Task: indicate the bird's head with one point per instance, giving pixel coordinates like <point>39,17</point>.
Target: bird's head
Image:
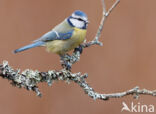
<point>78,19</point>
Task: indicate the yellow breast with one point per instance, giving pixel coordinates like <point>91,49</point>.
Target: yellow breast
<point>62,46</point>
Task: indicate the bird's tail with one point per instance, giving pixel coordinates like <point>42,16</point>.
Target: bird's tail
<point>35,44</point>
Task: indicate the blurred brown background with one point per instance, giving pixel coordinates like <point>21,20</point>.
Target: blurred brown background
<point>127,59</point>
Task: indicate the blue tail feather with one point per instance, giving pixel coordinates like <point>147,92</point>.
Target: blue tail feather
<point>36,44</point>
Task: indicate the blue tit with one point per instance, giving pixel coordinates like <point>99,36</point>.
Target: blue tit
<point>64,37</point>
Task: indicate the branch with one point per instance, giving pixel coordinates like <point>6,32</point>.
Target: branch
<point>29,79</point>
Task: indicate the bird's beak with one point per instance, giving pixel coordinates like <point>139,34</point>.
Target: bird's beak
<point>87,22</point>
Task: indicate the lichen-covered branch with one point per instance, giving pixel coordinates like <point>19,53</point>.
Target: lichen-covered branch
<point>29,79</point>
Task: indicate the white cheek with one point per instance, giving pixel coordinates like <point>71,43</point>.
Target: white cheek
<point>77,23</point>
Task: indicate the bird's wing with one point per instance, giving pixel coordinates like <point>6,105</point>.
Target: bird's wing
<point>54,35</point>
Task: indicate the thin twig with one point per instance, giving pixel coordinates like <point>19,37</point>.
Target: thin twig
<point>111,8</point>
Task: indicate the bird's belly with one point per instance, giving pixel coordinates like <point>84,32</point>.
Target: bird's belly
<point>62,46</point>
<point>56,46</point>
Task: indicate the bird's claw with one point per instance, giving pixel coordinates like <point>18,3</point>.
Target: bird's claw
<point>79,49</point>
<point>66,65</point>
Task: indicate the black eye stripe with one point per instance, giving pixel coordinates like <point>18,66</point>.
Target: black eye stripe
<point>79,19</point>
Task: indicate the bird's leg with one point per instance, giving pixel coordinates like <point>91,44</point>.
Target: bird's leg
<point>78,49</point>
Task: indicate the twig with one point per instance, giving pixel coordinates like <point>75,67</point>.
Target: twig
<point>29,79</point>
<point>104,17</point>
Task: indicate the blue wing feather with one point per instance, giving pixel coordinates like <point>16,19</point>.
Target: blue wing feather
<point>65,36</point>
<point>35,44</point>
<point>54,35</point>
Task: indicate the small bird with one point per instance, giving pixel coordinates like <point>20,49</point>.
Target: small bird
<point>64,37</point>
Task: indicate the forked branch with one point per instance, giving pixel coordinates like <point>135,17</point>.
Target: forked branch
<point>104,17</point>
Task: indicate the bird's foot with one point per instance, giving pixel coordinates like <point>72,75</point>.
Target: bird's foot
<point>79,49</point>
<point>67,66</point>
